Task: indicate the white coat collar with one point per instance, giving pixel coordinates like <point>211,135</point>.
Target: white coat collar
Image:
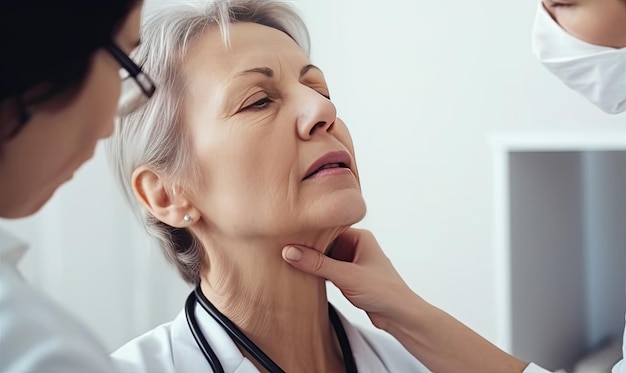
<point>188,357</point>
<point>11,249</point>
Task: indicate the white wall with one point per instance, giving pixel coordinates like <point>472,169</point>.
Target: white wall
<point>421,85</point>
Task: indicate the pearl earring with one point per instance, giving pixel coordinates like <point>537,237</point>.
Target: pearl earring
<point>187,218</point>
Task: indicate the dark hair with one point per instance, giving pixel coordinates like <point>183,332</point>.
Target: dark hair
<point>51,42</point>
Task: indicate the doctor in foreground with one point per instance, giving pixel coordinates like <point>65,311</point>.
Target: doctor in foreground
<point>583,42</point>
<point>238,154</point>
<point>60,88</point>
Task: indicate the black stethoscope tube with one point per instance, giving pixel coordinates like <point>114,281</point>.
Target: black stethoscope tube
<point>207,351</point>
<point>245,342</point>
<point>237,334</point>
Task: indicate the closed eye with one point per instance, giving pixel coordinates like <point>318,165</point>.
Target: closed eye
<point>259,104</point>
<point>554,4</point>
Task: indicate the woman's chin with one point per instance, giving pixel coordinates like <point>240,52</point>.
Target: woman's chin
<point>348,211</point>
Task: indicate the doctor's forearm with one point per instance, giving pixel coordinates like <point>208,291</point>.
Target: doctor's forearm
<point>443,343</point>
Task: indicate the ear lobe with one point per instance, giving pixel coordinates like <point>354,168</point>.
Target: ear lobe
<point>154,193</point>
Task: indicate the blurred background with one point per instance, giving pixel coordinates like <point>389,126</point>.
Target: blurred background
<point>498,193</point>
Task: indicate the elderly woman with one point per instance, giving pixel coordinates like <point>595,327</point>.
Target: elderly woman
<point>240,153</point>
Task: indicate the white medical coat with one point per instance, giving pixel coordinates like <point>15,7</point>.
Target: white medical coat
<point>36,336</point>
<point>171,348</point>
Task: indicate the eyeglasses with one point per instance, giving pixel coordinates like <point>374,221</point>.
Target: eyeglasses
<point>137,87</point>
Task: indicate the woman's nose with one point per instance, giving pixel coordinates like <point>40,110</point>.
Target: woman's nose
<point>317,114</point>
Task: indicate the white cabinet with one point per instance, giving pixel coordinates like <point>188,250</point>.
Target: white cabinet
<point>560,243</point>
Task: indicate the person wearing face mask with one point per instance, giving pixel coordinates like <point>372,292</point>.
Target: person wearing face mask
<point>583,43</point>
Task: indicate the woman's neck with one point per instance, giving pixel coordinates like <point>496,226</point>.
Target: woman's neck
<point>283,311</point>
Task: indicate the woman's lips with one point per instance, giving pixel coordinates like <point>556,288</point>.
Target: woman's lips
<point>331,163</point>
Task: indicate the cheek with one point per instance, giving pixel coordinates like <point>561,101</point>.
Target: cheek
<point>244,170</point>
<point>247,190</point>
<point>102,92</point>
<point>341,132</point>
<point>602,26</point>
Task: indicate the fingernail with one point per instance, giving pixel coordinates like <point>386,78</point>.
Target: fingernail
<point>293,254</point>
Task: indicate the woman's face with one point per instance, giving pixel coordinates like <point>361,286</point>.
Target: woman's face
<point>599,22</point>
<point>62,134</point>
<point>274,158</point>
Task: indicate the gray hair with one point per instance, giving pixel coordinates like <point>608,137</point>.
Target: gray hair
<point>154,135</point>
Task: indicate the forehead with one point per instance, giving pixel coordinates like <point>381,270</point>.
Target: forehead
<point>250,45</point>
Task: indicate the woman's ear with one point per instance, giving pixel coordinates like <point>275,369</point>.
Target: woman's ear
<point>165,203</point>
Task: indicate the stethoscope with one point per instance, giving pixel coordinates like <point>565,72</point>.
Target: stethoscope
<point>245,342</point>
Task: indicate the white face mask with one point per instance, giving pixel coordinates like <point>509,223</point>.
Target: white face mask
<point>598,73</point>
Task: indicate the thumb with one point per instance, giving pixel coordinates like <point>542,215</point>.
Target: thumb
<point>313,262</point>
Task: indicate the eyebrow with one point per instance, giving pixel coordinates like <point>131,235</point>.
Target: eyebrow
<point>308,67</point>
<point>266,71</point>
